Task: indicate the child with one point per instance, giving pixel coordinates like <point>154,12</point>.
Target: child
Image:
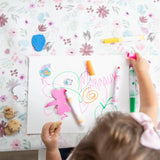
<point>118,136</point>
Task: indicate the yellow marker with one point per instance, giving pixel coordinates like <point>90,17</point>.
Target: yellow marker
<point>90,68</point>
<point>123,39</point>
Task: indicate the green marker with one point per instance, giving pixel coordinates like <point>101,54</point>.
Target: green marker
<point>132,91</point>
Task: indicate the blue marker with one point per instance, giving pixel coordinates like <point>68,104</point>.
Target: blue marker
<point>132,90</point>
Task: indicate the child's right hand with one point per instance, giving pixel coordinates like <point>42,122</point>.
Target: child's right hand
<point>141,65</point>
<point>50,139</point>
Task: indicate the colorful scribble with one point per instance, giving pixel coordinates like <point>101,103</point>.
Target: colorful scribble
<point>75,87</point>
<point>88,91</point>
<point>89,95</point>
<point>50,112</point>
<point>45,86</point>
<point>102,109</point>
<point>98,82</point>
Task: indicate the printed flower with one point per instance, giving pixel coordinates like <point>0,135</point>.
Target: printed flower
<point>42,28</point>
<point>143,19</point>
<point>20,61</point>
<point>71,52</point>
<point>53,52</point>
<point>32,5</point>
<point>127,13</point>
<point>150,15</point>
<point>7,51</point>
<point>2,127</point>
<point>3,98</point>
<point>22,77</point>
<point>102,11</point>
<point>116,24</point>
<point>11,84</point>
<point>58,7</point>
<point>75,36</point>
<point>156,1</point>
<point>16,144</point>
<point>67,41</point>
<point>86,49</point>
<point>26,22</point>
<point>12,33</point>
<point>80,6</point>
<point>89,10</point>
<point>145,30</point>
<point>57,1</point>
<point>3,20</point>
<point>50,23</point>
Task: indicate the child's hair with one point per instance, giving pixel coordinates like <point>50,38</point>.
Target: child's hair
<point>116,136</point>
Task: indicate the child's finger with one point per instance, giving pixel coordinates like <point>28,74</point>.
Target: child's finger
<point>138,56</point>
<point>132,61</point>
<point>45,129</point>
<point>57,131</point>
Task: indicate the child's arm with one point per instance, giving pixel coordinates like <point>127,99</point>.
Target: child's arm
<point>148,96</point>
<point>51,142</point>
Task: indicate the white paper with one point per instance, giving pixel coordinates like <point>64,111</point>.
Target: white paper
<point>99,88</point>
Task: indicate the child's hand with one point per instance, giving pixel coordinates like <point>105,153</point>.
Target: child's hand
<point>50,139</point>
<point>140,65</point>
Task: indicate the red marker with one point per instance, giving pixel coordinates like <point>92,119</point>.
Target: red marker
<point>129,55</point>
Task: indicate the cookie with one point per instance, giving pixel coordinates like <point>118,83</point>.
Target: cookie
<point>13,125</point>
<point>8,112</point>
<point>7,131</point>
<point>55,125</point>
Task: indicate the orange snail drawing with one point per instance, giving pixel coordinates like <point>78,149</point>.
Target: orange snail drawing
<point>89,95</point>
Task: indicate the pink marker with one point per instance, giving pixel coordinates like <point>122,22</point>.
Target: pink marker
<point>130,55</point>
<point>116,87</point>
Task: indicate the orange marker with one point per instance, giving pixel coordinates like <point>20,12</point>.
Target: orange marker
<point>90,68</point>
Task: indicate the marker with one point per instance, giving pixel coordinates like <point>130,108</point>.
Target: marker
<point>76,112</point>
<point>132,90</point>
<point>116,87</point>
<point>123,39</point>
<point>90,68</point>
<point>129,55</point>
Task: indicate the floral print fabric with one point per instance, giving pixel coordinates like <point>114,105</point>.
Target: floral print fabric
<point>71,27</point>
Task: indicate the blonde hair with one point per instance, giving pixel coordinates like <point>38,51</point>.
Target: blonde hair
<point>116,136</point>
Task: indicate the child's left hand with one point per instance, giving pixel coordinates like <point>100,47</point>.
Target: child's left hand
<point>50,139</point>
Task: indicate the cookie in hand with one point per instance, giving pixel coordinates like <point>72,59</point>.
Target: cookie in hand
<point>55,125</point>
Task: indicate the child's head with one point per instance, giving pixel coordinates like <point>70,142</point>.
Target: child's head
<point>116,136</point>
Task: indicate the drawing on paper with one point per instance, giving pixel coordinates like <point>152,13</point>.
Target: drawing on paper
<point>86,89</point>
<point>50,77</point>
